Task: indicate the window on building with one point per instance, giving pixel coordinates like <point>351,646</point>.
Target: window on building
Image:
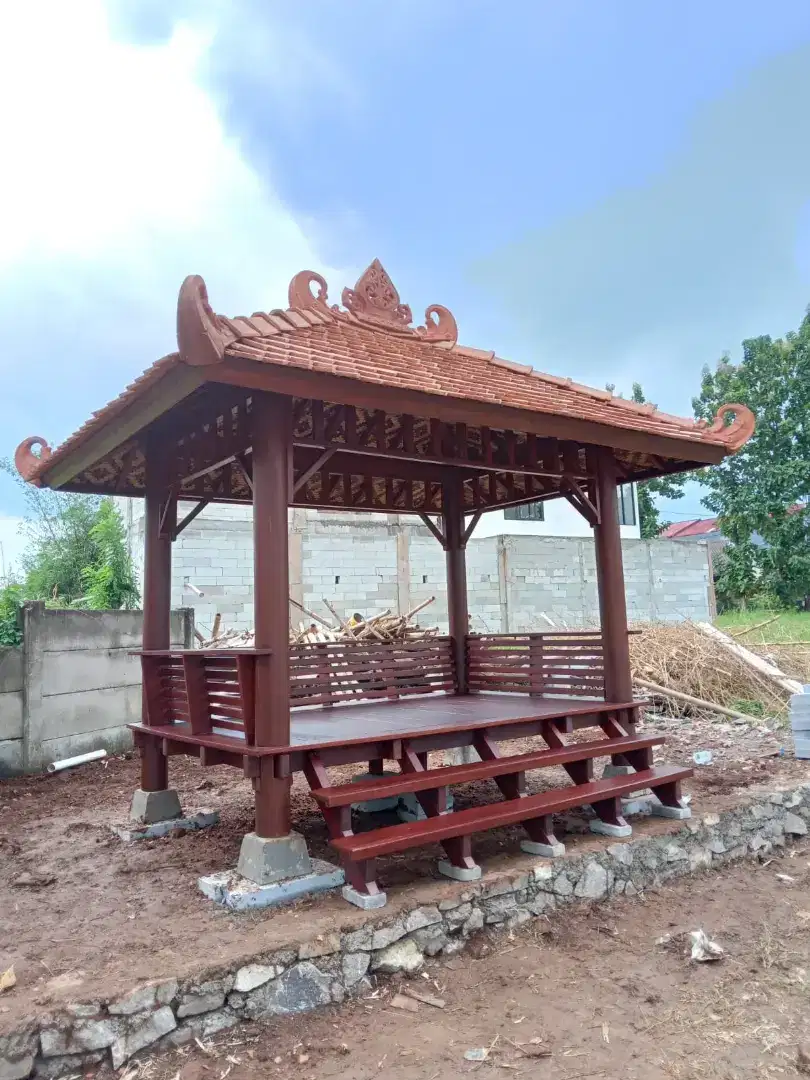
<point>627,504</point>
<point>527,512</point>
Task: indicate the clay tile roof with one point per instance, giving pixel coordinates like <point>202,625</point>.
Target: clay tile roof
<point>695,527</point>
<point>371,340</point>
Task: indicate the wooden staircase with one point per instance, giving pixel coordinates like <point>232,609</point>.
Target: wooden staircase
<point>454,830</point>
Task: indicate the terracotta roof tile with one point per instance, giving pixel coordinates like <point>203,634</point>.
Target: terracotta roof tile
<point>373,342</point>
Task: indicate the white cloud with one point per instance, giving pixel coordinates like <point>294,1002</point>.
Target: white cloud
<point>12,545</point>
<point>123,179</point>
<point>119,179</point>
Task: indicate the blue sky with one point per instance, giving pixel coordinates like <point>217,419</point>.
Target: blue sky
<point>610,189</point>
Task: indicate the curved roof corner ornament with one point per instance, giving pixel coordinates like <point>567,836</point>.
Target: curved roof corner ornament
<point>300,295</point>
<point>440,325</point>
<point>200,340</point>
<point>736,434</point>
<point>27,462</point>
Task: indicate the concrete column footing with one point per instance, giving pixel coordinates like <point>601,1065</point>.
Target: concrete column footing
<point>149,807</point>
<point>365,901</point>
<point>458,873</point>
<point>603,828</point>
<point>548,851</point>
<point>267,859</point>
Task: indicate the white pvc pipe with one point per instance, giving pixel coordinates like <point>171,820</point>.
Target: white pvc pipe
<point>80,759</point>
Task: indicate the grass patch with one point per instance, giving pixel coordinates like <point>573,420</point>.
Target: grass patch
<point>788,626</point>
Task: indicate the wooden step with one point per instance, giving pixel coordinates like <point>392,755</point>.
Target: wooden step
<point>386,786</point>
<point>370,845</point>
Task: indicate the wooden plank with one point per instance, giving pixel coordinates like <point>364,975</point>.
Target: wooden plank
<point>383,787</point>
<point>395,838</point>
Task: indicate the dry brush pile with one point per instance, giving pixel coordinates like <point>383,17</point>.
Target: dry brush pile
<point>684,658</point>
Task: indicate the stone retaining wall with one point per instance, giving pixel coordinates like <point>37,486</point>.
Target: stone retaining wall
<point>328,969</point>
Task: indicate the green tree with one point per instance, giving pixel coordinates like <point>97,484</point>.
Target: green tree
<point>76,554</point>
<point>670,487</point>
<point>110,580</point>
<point>762,491</point>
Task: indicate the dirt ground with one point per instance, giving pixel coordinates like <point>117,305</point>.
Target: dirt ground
<point>111,914</point>
<point>590,994</point>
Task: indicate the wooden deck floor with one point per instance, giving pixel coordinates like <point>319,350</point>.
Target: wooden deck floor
<point>430,715</point>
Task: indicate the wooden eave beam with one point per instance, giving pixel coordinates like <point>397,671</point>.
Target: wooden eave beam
<point>253,374</point>
<point>178,382</point>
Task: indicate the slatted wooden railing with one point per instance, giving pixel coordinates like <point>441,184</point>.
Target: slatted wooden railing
<point>561,662</point>
<point>205,689</point>
<point>215,690</point>
<point>333,672</point>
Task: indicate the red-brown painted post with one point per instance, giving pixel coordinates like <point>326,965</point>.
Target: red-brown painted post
<point>456,561</point>
<point>610,579</point>
<point>271,422</point>
<point>157,591</point>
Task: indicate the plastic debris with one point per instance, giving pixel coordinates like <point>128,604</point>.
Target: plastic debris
<point>702,757</point>
<point>704,950</point>
<point>7,979</point>
<point>480,1053</point>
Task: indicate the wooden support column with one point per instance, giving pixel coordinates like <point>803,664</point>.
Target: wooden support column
<point>160,519</point>
<point>610,579</point>
<point>271,422</point>
<point>454,545</point>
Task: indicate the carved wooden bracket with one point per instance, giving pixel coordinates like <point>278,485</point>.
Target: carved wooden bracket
<point>434,528</point>
<point>580,500</point>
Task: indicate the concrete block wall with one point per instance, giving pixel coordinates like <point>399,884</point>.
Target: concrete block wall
<point>370,562</point>
<point>73,685</point>
<point>11,710</point>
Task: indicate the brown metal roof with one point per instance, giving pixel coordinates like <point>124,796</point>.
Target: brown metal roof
<point>371,341</point>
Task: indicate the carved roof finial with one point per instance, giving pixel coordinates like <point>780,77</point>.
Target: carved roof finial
<point>375,300</point>
<point>736,434</point>
<point>27,462</point>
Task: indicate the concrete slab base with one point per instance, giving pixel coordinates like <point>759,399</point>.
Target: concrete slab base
<point>548,851</point>
<point>149,807</point>
<point>236,893</point>
<point>604,829</point>
<point>267,859</point>
<point>196,819</point>
<point>375,806</point>
<point>678,813</point>
<point>458,873</point>
<point>410,809</point>
<point>363,900</point>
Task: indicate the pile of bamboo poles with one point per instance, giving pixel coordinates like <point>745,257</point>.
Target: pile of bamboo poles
<point>384,627</point>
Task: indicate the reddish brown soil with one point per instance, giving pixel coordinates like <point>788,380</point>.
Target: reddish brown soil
<point>115,914</point>
<point>591,989</point>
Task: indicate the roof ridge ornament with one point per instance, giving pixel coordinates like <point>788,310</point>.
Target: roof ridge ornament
<point>201,339</point>
<point>736,434</point>
<point>375,300</point>
<point>300,295</point>
<point>27,462</point>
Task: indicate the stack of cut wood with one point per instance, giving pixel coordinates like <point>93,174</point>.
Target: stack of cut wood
<point>384,627</point>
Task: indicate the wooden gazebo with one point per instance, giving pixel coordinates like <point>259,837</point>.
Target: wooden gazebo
<point>354,408</point>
